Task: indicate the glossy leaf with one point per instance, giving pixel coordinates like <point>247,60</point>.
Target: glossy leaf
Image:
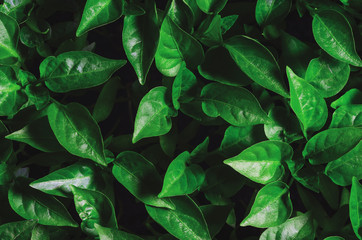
<point>181,179</point>
<point>176,46</point>
<point>11,96</point>
<point>38,95</point>
<point>9,31</point>
<point>18,9</point>
<point>140,178</point>
<point>77,131</point>
<point>347,116</point>
<point>140,39</point>
<point>33,204</point>
<point>347,166</point>
<point>17,230</point>
<point>355,208</point>
<point>93,208</point>
<point>297,228</point>
<point>181,14</point>
<point>153,115</point>
<point>307,103</point>
<point>333,33</point>
<point>220,67</point>
<point>211,6</point>
<point>185,222</point>
<point>327,75</point>
<point>257,62</point>
<point>272,206</point>
<point>77,70</point>
<point>262,162</point>
<point>267,12</point>
<point>114,234</point>
<point>228,22</point>
<point>209,31</point>
<point>352,96</point>
<point>98,13</point>
<point>331,144</point>
<point>235,105</point>
<point>82,175</point>
<point>39,135</point>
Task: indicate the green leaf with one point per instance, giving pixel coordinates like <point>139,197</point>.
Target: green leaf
<point>297,228</point>
<point>347,166</point>
<point>257,62</point>
<point>307,103</point>
<point>355,207</point>
<point>19,9</point>
<point>209,31</point>
<point>17,230</point>
<point>77,131</point>
<point>181,179</point>
<point>333,33</point>
<point>220,67</point>
<point>140,39</point>
<point>331,144</point>
<point>272,206</point>
<point>114,234</point>
<point>181,14</point>
<point>11,96</point>
<point>347,116</point>
<point>304,174</point>
<point>262,162</point>
<point>106,99</point>
<point>211,6</point>
<point>184,87</point>
<point>153,115</point>
<point>33,204</point>
<point>41,232</point>
<point>6,146</point>
<point>267,12</point>
<point>200,151</point>
<point>215,217</point>
<point>327,75</point>
<point>235,105</point>
<point>77,70</point>
<point>98,13</point>
<point>176,46</point>
<point>228,22</point>
<point>39,135</point>
<point>93,208</point>
<point>352,96</point>
<point>6,173</point>
<point>185,222</point>
<point>38,95</point>
<point>9,31</point>
<point>140,178</point>
<point>82,174</point>
<point>334,238</point>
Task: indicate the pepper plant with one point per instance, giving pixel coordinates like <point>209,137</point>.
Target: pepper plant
<point>185,119</point>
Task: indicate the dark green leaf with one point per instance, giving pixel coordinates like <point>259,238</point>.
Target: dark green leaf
<point>347,116</point>
<point>211,6</point>
<point>235,105</point>
<point>17,230</point>
<point>355,207</point>
<point>77,70</point>
<point>6,173</point>
<point>18,9</point>
<point>114,234</point>
<point>6,146</point>
<point>215,217</point>
<point>77,131</point>
<point>333,33</point>
<point>185,222</point>
<point>181,14</point>
<point>9,31</point>
<point>228,22</point>
<point>33,204</point>
<point>267,12</point>
<point>262,162</point>
<point>140,177</point>
<point>272,206</point>
<point>257,62</point>
<point>38,95</point>
<point>209,31</point>
<point>98,13</point>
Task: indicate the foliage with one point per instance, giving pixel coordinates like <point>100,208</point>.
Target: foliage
<point>182,119</point>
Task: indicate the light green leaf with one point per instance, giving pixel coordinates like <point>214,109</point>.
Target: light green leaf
<point>355,207</point>
<point>211,6</point>
<point>176,46</point>
<point>181,179</point>
<point>235,105</point>
<point>77,131</point>
<point>98,13</point>
<point>262,162</point>
<point>140,178</point>
<point>267,12</point>
<point>257,62</point>
<point>114,234</point>
<point>327,75</point>
<point>17,230</point>
<point>307,103</point>
<point>93,208</point>
<point>153,115</point>
<point>352,96</point>
<point>272,206</point>
<point>33,204</point>
<point>333,33</point>
<point>140,39</point>
<point>347,116</point>
<point>9,32</point>
<point>331,144</point>
<point>185,222</point>
<point>77,70</point>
